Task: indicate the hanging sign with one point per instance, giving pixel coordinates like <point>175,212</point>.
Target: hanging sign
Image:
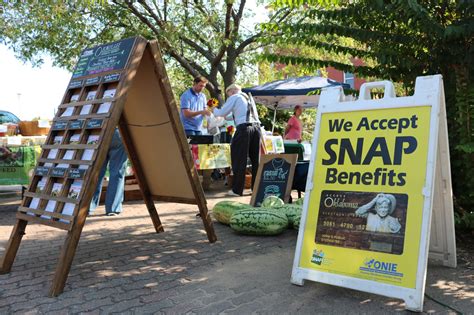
<point>108,57</point>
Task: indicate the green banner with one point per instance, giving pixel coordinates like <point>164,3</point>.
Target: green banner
<point>17,164</point>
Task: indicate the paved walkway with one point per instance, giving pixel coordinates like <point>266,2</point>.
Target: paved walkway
<point>122,266</point>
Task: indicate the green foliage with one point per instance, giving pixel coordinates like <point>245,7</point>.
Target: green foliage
<point>464,222</point>
<point>266,118</point>
<point>398,40</point>
<point>308,120</point>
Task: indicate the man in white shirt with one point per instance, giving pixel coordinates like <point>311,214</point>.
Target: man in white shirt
<point>246,140</point>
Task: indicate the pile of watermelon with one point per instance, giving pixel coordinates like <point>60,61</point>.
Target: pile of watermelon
<point>272,218</point>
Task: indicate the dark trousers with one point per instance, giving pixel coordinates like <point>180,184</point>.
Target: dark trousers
<point>246,142</point>
<point>192,132</point>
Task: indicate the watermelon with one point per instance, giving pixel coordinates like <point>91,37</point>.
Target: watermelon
<point>299,201</point>
<point>258,222</point>
<point>223,210</point>
<point>272,202</point>
<point>291,211</point>
<point>296,222</point>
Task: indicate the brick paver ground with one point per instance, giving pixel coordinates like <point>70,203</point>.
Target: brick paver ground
<point>123,266</point>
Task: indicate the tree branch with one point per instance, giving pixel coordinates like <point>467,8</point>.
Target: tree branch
<point>199,7</point>
<point>240,49</point>
<point>150,11</point>
<point>141,17</point>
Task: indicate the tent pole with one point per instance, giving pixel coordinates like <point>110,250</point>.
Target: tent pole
<point>274,119</point>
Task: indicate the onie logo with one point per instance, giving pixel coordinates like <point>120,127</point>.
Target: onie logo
<point>380,267</point>
<point>318,256</point>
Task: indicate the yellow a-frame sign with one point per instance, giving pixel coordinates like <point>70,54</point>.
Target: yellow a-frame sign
<point>379,170</point>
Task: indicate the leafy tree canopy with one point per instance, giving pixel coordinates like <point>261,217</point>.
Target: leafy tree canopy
<point>213,38</point>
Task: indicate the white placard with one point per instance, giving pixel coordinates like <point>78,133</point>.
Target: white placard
<point>104,108</point>
<point>43,123</point>
<point>16,140</point>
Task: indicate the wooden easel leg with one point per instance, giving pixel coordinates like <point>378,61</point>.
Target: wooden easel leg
<point>12,246</point>
<point>65,261</point>
<point>206,219</point>
<point>150,205</point>
<point>140,175</point>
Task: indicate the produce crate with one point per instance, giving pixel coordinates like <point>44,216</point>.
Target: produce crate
<point>8,129</point>
<point>30,128</point>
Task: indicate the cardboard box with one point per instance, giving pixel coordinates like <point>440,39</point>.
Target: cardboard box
<point>31,128</point>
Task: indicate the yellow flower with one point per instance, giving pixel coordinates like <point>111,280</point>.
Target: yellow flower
<point>212,102</point>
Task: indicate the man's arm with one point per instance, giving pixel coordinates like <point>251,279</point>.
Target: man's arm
<point>226,109</point>
<point>190,114</point>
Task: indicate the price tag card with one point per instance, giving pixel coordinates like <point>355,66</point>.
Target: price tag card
<point>14,140</point>
<point>43,123</point>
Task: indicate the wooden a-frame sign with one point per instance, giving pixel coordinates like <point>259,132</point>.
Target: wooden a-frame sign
<point>120,84</point>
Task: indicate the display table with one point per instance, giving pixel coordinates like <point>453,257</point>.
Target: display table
<point>208,157</point>
<point>211,156</point>
<point>18,157</point>
<point>295,148</point>
<point>302,149</point>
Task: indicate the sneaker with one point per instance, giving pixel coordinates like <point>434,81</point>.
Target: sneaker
<point>112,214</point>
<point>232,193</point>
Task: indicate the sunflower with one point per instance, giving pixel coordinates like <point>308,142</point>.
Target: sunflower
<point>212,102</point>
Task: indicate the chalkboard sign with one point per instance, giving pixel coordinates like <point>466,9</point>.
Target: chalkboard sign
<point>111,77</point>
<point>59,125</point>
<point>76,124</point>
<point>113,56</point>
<point>76,173</point>
<point>92,81</point>
<point>274,177</point>
<point>58,172</point>
<point>42,171</point>
<point>75,84</point>
<point>94,123</point>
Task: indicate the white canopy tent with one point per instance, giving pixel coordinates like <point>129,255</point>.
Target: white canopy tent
<point>287,93</point>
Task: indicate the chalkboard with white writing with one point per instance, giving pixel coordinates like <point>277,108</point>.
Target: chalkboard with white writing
<point>108,57</point>
<point>274,177</point>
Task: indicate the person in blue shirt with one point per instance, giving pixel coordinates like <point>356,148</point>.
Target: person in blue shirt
<point>194,107</point>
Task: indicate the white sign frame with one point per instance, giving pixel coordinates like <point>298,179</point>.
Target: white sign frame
<point>428,92</point>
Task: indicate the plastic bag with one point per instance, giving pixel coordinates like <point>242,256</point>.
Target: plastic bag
<point>213,124</point>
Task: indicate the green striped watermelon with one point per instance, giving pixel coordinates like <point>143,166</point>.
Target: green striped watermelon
<point>291,211</point>
<point>296,222</point>
<point>272,202</point>
<point>223,210</point>
<point>299,201</point>
<point>258,222</point>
